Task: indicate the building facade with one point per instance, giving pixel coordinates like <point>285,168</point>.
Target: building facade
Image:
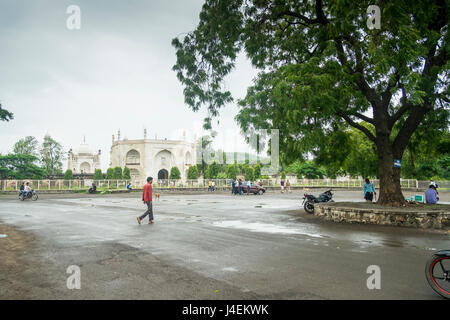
<point>83,160</point>
<point>152,157</point>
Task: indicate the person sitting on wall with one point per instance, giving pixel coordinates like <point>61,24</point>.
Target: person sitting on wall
<point>431,194</point>
<point>129,187</point>
<point>93,188</point>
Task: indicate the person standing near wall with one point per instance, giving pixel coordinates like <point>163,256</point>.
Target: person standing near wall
<point>369,191</point>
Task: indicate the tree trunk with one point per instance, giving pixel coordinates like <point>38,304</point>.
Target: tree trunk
<point>390,188</point>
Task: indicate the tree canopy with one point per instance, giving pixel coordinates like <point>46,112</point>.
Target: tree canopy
<point>322,67</point>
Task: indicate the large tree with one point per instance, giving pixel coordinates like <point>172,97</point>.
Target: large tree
<point>320,66</point>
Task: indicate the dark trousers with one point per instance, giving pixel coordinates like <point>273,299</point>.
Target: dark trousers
<point>149,212</point>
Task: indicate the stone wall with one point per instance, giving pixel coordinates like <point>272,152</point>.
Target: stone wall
<point>420,218</point>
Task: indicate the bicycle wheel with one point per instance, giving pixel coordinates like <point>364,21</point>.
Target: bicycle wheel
<point>34,197</point>
<point>438,275</point>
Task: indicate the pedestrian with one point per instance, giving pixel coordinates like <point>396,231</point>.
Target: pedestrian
<point>282,185</point>
<point>147,199</point>
<point>431,194</point>
<point>209,185</point>
<point>213,186</point>
<point>369,191</point>
<point>233,185</point>
<point>249,184</point>
<point>240,187</point>
<point>288,186</point>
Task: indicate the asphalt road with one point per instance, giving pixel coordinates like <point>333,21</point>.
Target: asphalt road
<point>211,246</point>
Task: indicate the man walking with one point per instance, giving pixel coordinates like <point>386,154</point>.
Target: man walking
<point>147,198</point>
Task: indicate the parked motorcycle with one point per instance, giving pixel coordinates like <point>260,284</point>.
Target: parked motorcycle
<point>437,272</point>
<point>309,200</point>
<point>28,195</point>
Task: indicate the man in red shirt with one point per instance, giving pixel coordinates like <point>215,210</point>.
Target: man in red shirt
<point>147,198</point>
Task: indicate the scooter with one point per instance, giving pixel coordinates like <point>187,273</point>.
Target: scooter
<point>309,200</point>
<point>437,272</point>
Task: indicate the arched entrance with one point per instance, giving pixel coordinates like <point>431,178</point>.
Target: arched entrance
<point>163,174</point>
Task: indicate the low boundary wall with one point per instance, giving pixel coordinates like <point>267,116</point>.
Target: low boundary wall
<point>421,218</point>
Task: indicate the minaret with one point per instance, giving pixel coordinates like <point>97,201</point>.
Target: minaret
<point>145,134</point>
<point>112,138</point>
<point>118,135</point>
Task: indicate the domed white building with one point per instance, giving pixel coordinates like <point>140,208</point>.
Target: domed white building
<point>152,157</point>
<point>83,160</point>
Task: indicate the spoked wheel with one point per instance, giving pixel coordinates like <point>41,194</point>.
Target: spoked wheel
<point>21,197</point>
<point>309,207</point>
<point>438,275</point>
<point>34,197</point>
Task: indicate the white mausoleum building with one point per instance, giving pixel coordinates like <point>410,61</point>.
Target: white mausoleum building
<point>83,160</point>
<point>152,157</point>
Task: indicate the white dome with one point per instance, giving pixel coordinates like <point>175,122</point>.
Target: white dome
<point>84,149</point>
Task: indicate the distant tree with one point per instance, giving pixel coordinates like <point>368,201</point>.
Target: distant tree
<point>257,169</point>
<point>249,173</point>
<point>221,175</point>
<point>117,173</point>
<point>5,115</point>
<point>110,174</point>
<point>51,153</point>
<point>310,170</point>
<point>175,173</point>
<point>214,169</point>
<point>68,175</point>
<point>126,173</point>
<point>98,175</point>
<point>28,145</point>
<point>283,174</point>
<point>232,171</point>
<point>192,173</point>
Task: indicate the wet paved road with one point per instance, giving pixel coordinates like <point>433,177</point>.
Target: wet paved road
<point>248,247</point>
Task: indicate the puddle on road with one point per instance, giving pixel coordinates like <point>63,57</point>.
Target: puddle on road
<point>264,227</point>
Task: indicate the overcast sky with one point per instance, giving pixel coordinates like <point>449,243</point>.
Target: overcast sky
<point>115,72</point>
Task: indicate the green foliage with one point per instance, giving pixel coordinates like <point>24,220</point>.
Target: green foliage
<point>283,174</point>
<point>98,175</point>
<point>28,145</point>
<point>221,175</point>
<point>214,169</point>
<point>68,175</point>
<point>5,115</point>
<point>192,173</point>
<point>232,171</point>
<point>52,154</point>
<point>310,170</point>
<point>175,173</point>
<point>249,173</point>
<point>257,169</point>
<point>110,174</point>
<point>126,173</point>
<point>117,173</point>
<point>20,166</point>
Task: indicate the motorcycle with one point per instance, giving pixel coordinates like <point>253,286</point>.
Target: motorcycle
<point>309,200</point>
<point>28,195</point>
<point>437,272</point>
